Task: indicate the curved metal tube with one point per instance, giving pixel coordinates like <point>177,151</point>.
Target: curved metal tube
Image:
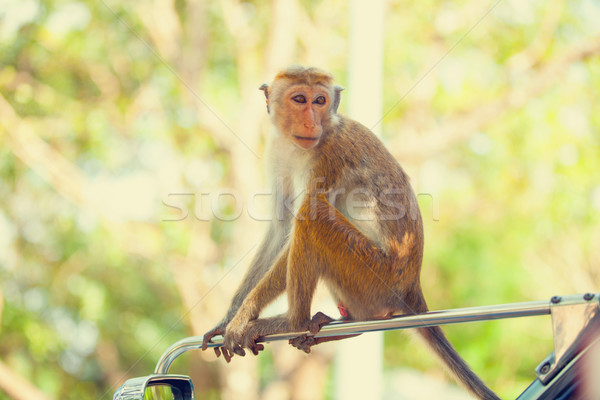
<point>444,317</point>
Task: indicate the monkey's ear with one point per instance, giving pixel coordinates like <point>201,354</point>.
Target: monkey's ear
<point>336,98</point>
<point>265,88</point>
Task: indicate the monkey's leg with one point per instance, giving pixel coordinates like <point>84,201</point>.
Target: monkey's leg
<point>326,244</point>
<point>269,287</point>
<point>267,254</point>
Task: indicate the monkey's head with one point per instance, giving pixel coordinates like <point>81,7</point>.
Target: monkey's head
<point>302,102</point>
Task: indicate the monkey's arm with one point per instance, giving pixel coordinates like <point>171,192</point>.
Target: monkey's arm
<point>268,253</point>
<point>270,286</point>
<point>270,247</point>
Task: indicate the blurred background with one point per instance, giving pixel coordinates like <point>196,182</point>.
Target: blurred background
<point>131,183</point>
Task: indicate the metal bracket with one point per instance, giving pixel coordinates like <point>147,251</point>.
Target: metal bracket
<point>573,317</point>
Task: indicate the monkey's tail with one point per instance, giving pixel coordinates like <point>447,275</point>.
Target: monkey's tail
<point>414,302</point>
<point>458,367</point>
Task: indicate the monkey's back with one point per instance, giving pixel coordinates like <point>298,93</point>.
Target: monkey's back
<point>357,168</point>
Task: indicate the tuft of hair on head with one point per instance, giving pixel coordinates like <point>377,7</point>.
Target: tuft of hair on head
<point>306,75</point>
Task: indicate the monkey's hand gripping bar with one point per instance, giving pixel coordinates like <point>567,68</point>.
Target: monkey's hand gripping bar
<point>586,306</point>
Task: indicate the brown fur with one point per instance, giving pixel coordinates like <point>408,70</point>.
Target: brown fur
<point>306,76</point>
<point>346,214</point>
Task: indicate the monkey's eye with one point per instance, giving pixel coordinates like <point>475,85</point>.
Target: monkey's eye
<point>320,100</point>
<point>299,99</point>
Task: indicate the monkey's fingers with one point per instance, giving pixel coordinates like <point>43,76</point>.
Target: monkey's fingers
<point>256,348</point>
<point>233,346</point>
<point>218,352</point>
<point>227,355</point>
<point>206,339</point>
<point>239,351</point>
<point>209,335</point>
<point>250,343</point>
<point>205,342</point>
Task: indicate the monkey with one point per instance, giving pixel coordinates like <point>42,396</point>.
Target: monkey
<point>345,214</point>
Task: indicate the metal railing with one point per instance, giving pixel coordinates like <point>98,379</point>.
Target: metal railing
<point>444,317</point>
<point>575,325</point>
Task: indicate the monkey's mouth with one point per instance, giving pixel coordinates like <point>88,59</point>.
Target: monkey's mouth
<point>306,142</point>
<point>313,138</point>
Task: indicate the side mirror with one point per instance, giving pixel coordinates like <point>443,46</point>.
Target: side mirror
<point>156,387</point>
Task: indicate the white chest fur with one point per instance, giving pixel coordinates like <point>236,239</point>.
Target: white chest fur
<point>292,168</point>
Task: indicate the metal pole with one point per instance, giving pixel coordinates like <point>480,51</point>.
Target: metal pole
<point>444,317</point>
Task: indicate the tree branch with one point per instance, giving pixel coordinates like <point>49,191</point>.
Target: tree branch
<point>461,127</point>
<point>533,53</point>
<point>18,387</point>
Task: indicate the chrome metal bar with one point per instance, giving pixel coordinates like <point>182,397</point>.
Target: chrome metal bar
<point>431,318</point>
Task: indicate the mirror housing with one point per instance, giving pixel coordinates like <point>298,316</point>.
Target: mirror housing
<point>135,388</point>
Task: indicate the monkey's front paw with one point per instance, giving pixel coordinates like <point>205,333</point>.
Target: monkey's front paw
<point>254,332</point>
<point>236,340</point>
<point>233,340</point>
<point>217,330</point>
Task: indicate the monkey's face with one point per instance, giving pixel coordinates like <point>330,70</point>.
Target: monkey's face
<point>300,113</point>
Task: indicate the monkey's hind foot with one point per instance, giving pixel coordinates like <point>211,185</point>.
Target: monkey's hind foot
<point>305,342</point>
<point>317,322</point>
